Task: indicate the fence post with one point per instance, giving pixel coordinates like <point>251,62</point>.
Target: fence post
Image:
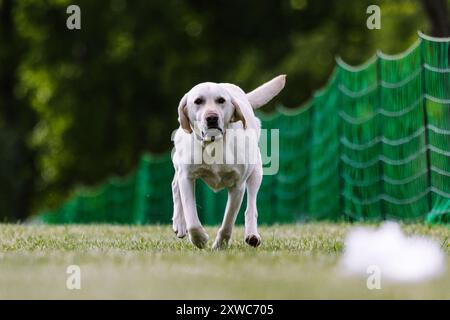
<point>340,168</point>
<point>381,129</point>
<point>425,123</point>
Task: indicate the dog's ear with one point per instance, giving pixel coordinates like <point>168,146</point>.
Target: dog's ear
<point>242,109</point>
<point>238,115</point>
<point>182,116</point>
<point>266,92</point>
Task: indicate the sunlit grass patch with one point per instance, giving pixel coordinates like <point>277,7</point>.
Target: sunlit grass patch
<point>145,262</point>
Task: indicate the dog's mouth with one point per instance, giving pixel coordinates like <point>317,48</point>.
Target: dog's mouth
<point>212,133</point>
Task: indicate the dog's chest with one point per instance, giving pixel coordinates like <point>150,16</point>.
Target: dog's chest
<point>218,177</point>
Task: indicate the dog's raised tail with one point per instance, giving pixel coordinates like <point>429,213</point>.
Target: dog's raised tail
<point>266,92</point>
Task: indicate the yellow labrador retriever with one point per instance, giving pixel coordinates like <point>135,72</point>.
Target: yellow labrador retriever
<point>218,142</point>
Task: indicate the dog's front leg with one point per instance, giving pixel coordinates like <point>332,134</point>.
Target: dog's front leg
<point>252,236</point>
<point>234,202</point>
<point>197,233</point>
<point>178,222</point>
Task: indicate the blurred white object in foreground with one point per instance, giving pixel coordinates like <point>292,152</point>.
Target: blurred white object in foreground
<point>400,258</point>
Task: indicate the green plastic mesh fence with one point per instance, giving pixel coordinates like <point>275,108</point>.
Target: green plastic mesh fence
<point>373,144</point>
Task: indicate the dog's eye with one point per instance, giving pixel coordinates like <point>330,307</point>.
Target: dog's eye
<point>198,101</point>
<point>220,100</point>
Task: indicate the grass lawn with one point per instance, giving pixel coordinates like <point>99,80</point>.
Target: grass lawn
<point>131,262</point>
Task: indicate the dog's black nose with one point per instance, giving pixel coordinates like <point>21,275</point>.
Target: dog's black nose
<point>212,121</point>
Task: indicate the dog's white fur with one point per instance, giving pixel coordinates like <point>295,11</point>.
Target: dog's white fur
<point>234,109</point>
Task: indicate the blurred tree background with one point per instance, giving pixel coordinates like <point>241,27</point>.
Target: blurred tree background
<point>79,105</point>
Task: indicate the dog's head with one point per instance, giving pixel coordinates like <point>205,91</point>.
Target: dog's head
<point>210,107</point>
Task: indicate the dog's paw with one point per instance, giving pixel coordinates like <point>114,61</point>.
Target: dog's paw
<point>198,237</point>
<point>179,227</point>
<point>253,240</point>
<point>221,242</point>
<point>180,231</point>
